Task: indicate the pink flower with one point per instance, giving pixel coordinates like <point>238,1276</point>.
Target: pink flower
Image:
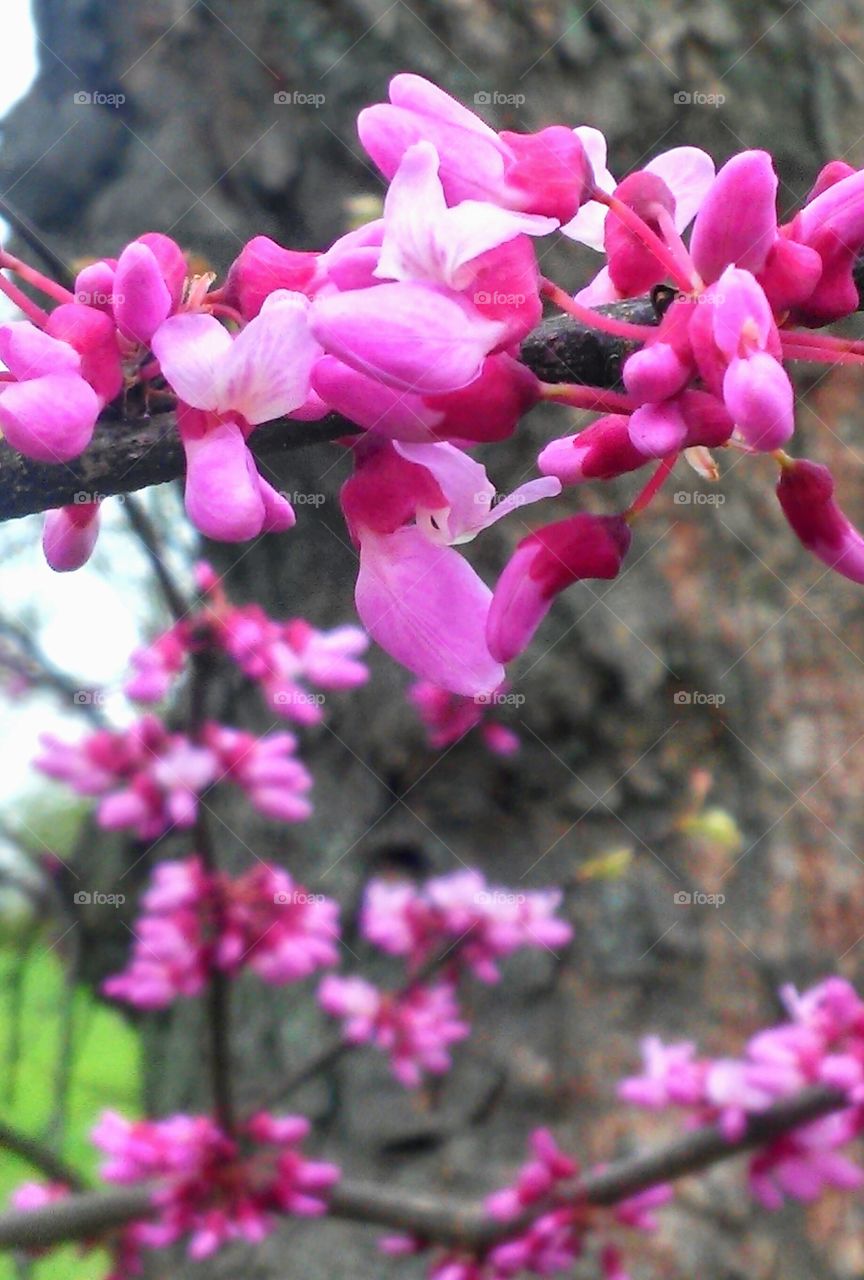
<point>415,1028</point>
<point>415,595</point>
<point>195,923</point>
<point>50,411</point>
<point>544,173</point>
<point>420,338</point>
<point>275,781</point>
<point>235,384</point>
<point>482,923</point>
<point>220,1189</point>
<point>737,221</point>
<point>544,563</point>
<point>806,493</point>
<point>488,408</point>
<point>449,717</point>
<point>69,535</point>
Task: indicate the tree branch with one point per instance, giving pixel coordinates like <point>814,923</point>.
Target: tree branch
<point>127,454</point>
<point>442,1219</point>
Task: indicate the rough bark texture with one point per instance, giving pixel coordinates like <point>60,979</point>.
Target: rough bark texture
<point>718,600</point>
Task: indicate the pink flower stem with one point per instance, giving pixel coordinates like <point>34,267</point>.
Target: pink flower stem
<point>23,303</point>
<point>596,319</point>
<point>652,488</point>
<point>39,281</point>
<point>683,279</point>
<point>583,397</point>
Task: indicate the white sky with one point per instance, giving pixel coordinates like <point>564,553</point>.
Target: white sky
<point>88,621</point>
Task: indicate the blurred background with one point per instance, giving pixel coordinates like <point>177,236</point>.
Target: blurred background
<point>693,728</point>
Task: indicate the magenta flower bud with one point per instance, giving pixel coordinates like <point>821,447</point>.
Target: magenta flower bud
<point>806,493</point>
<point>633,268</point>
<point>263,266</point>
<point>658,429</point>
<point>655,373</point>
<point>94,285</point>
<point>737,223</point>
<point>830,173</point>
<point>551,169</point>
<point>600,452</point>
<point>544,563</point>
<point>92,334</point>
<point>171,260</point>
<point>833,225</point>
<point>69,536</point>
<point>142,299</point>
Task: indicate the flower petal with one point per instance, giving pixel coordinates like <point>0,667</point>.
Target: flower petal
<point>192,350</point>
<point>426,607</point>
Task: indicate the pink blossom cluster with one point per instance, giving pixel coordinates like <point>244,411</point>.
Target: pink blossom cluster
<point>449,717</point>
<point>150,780</point>
<point>217,1188</point>
<point>474,923</point>
<point>410,327</point>
<point>553,1240</point>
<point>415,1027</point>
<point>456,923</point>
<point>821,1043</point>
<point>196,922</point>
<point>283,658</point>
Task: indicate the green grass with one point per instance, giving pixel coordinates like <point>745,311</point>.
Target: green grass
<point>105,1072</point>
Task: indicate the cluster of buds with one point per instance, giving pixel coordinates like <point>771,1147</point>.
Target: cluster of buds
<point>197,922</point>
<point>555,1238</point>
<point>283,658</point>
<point>411,326</point>
<point>151,780</point>
<point>443,929</point>
<point>821,1043</point>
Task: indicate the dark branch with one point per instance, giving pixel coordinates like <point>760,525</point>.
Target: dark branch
<point>127,454</point>
<point>439,1219</point>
